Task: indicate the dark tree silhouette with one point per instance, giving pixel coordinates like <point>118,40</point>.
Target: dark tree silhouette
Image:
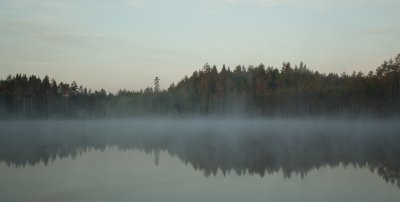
<point>255,90</point>
<point>157,84</point>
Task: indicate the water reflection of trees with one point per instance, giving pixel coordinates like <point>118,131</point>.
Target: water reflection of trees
<point>254,152</point>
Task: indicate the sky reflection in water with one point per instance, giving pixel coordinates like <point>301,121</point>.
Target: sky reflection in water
<point>199,161</point>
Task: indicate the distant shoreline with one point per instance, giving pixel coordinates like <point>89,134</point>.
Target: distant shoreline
<point>255,91</point>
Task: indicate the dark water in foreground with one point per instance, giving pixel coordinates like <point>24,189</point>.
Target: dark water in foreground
<point>198,160</point>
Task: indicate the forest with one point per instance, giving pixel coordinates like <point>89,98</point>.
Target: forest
<point>291,90</point>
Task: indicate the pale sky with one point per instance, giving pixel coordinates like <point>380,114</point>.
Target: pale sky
<point>126,43</point>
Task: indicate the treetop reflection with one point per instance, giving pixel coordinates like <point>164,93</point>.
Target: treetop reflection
<point>243,147</point>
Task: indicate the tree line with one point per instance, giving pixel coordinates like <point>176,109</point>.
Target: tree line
<point>291,90</point>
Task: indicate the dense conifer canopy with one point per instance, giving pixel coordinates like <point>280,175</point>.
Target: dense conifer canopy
<point>292,90</point>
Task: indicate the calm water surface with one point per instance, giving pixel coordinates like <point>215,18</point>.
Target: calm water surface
<point>199,160</point>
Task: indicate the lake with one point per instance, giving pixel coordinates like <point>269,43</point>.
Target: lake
<point>200,160</point>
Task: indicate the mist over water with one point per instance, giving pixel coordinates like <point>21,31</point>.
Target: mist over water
<point>341,153</point>
<point>30,142</point>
